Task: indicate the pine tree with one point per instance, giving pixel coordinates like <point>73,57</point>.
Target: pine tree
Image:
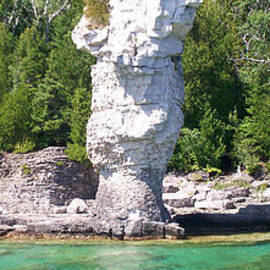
<point>200,148</point>
<point>15,118</point>
<point>253,140</point>
<point>209,74</point>
<point>49,123</point>
<point>80,113</point>
<point>29,59</point>
<point>68,69</point>
<point>213,89</point>
<point>6,46</point>
<point>41,74</point>
<point>27,69</point>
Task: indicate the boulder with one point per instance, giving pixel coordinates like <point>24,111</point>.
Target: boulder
<point>174,231</point>
<point>218,195</point>
<point>200,196</point>
<point>20,228</point>
<point>257,184</point>
<point>77,206</point>
<point>172,183</point>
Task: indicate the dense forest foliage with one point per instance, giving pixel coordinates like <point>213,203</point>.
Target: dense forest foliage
<point>45,83</point>
<point>227,75</point>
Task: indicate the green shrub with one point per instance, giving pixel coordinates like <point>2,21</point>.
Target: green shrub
<point>246,154</point>
<point>221,186</point>
<point>213,171</point>
<point>187,147</point>
<point>25,147</point>
<point>254,169</point>
<point>242,183</point>
<point>200,149</point>
<point>98,11</point>
<point>77,153</point>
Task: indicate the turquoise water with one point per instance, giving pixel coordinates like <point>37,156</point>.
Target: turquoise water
<point>126,256</point>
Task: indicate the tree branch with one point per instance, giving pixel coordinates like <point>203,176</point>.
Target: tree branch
<point>45,11</point>
<point>13,12</point>
<point>35,10</point>
<point>254,60</point>
<point>56,13</point>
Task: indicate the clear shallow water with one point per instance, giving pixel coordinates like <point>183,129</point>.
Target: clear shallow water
<point>125,256</point>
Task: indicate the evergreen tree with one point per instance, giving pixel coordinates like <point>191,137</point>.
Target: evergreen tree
<point>210,76</point>
<point>49,121</point>
<point>213,89</point>
<point>17,15</point>
<point>27,68</point>
<point>79,116</point>
<point>15,119</point>
<point>29,59</point>
<point>202,147</point>
<point>253,140</point>
<point>6,46</point>
<point>67,70</point>
<point>44,74</point>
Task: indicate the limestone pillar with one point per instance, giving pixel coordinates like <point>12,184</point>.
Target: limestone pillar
<point>138,91</point>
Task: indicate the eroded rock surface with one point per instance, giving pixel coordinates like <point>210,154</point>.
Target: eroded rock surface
<point>36,183</point>
<point>45,193</point>
<point>233,203</point>
<point>138,92</point>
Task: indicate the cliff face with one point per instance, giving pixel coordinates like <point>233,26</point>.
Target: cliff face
<point>37,183</point>
<point>138,91</point>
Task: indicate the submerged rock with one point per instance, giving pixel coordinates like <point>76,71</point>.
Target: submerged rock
<point>138,91</point>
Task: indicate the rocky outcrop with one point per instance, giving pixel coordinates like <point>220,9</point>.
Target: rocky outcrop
<point>46,193</point>
<point>39,182</point>
<point>232,203</point>
<point>138,92</point>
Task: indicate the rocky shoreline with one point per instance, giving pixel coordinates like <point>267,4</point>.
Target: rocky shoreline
<point>227,204</point>
<point>44,193</point>
<point>84,226</point>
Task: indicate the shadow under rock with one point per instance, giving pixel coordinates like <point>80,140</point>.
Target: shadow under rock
<point>252,218</point>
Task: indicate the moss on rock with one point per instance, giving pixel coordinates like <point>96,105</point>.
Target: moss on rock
<point>98,11</point>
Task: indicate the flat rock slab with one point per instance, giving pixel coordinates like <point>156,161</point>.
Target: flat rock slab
<point>87,225</point>
<point>178,200</point>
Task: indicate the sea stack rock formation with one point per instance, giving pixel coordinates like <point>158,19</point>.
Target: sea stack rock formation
<point>138,92</point>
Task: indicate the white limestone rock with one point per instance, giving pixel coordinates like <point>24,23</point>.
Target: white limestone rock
<point>77,206</point>
<point>138,91</point>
